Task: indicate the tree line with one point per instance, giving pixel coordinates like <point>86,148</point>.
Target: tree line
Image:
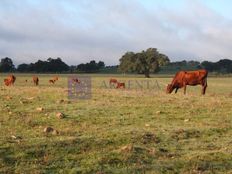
<point>144,62</point>
<point>50,65</point>
<point>222,66</point>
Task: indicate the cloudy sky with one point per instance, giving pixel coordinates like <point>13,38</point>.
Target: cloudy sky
<point>82,30</point>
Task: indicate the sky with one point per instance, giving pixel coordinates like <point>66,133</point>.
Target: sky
<point>82,30</point>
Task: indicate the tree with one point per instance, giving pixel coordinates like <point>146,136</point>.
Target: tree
<point>144,62</point>
<point>6,65</point>
<point>101,64</point>
<point>127,62</point>
<point>90,67</point>
<point>208,65</point>
<point>222,66</point>
<point>51,65</point>
<point>56,65</point>
<point>72,68</point>
<point>23,67</point>
<point>163,60</point>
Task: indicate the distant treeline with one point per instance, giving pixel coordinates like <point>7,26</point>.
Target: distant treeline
<point>222,66</point>
<point>52,65</point>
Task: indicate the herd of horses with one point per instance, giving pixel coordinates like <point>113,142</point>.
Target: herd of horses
<point>10,80</point>
<point>180,80</point>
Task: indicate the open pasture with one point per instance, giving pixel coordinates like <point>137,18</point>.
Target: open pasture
<point>117,130</point>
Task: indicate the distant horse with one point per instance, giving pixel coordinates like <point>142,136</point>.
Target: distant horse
<point>56,78</point>
<point>51,81</point>
<point>35,80</point>
<point>120,85</point>
<point>76,80</point>
<point>10,80</point>
<point>113,81</point>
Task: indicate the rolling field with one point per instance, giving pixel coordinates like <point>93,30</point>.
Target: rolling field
<point>136,130</point>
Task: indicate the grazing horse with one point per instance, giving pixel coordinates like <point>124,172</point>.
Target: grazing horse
<point>51,81</point>
<point>76,80</point>
<point>120,85</point>
<point>56,78</point>
<point>35,80</point>
<point>192,78</point>
<point>10,80</point>
<point>6,82</point>
<point>113,81</point>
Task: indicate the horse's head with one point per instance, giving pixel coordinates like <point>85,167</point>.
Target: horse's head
<point>169,89</point>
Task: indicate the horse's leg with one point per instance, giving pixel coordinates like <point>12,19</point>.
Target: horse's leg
<point>176,90</point>
<point>204,86</point>
<point>185,88</point>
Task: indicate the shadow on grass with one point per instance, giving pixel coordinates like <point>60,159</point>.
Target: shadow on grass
<point>91,155</point>
<point>7,159</point>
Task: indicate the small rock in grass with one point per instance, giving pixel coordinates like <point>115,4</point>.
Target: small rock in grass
<point>60,101</point>
<point>127,148</point>
<point>158,112</point>
<point>48,129</point>
<point>40,109</point>
<point>60,115</point>
<point>22,102</point>
<point>63,101</point>
<point>152,151</point>
<point>16,137</point>
<point>186,120</point>
<point>30,98</point>
<point>149,137</point>
<point>68,101</point>
<point>10,113</point>
<point>51,130</point>
<point>147,125</point>
<point>55,132</point>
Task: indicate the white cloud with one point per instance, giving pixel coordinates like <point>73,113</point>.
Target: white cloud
<point>78,31</point>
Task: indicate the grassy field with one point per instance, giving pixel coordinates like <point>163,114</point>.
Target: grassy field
<point>116,131</point>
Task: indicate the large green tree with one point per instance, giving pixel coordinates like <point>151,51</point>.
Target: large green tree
<point>144,62</point>
<point>6,65</point>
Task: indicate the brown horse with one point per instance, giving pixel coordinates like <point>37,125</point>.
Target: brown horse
<point>51,81</point>
<point>120,85</point>
<point>56,78</point>
<point>76,80</point>
<point>10,80</point>
<point>113,81</point>
<point>192,78</point>
<point>35,80</point>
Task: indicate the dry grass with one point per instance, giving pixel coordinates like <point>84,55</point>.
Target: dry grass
<point>117,131</point>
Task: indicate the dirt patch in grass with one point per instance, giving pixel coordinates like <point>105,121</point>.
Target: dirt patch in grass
<point>185,134</point>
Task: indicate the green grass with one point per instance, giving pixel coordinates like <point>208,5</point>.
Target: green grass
<point>117,131</point>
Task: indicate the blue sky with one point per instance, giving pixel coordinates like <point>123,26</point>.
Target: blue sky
<point>79,31</point>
